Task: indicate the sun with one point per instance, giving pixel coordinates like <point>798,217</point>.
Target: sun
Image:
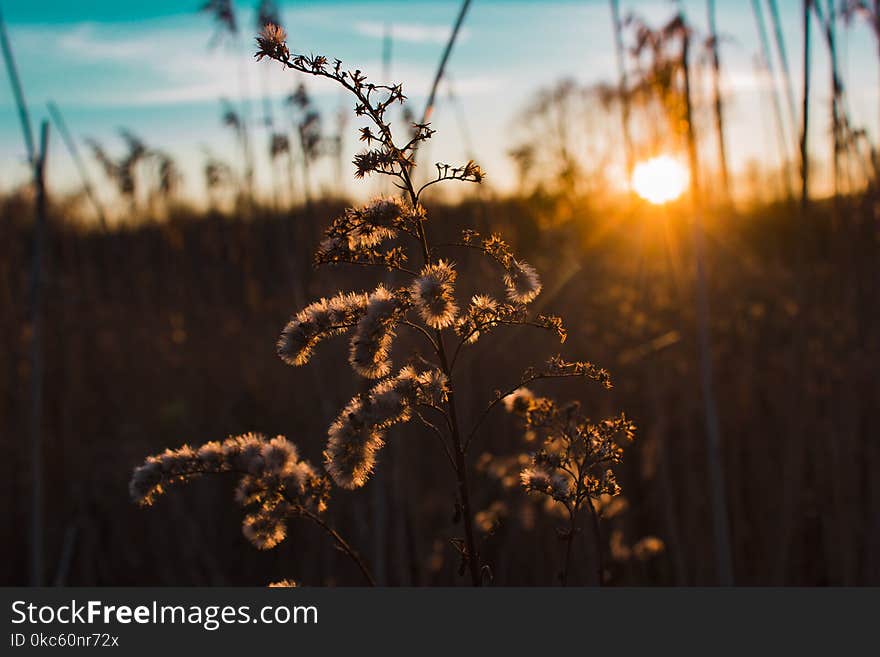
<point>660,179</point>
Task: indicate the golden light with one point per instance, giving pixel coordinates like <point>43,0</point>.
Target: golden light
<point>660,179</point>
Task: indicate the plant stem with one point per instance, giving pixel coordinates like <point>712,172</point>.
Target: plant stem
<point>37,284</point>
<point>805,110</point>
<point>429,106</point>
<point>70,143</point>
<point>472,556</point>
<point>767,60</point>
<point>716,100</point>
<point>720,522</point>
<point>569,541</point>
<point>20,103</point>
<point>342,544</point>
<point>622,86</point>
<point>598,538</point>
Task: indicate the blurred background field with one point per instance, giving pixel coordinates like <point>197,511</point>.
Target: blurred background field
<point>157,299</point>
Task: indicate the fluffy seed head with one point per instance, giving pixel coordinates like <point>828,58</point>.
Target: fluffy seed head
<point>351,449</point>
<point>433,387</point>
<point>434,295</point>
<point>520,402</point>
<point>264,530</point>
<point>146,482</point>
<point>540,480</point>
<point>358,433</point>
<point>273,483</point>
<point>376,222</point>
<point>369,353</point>
<point>522,282</point>
<point>278,454</point>
<point>272,43</point>
<point>317,321</point>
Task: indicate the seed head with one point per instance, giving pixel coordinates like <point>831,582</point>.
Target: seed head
<point>369,353</point>
<point>272,43</point>
<point>264,530</point>
<point>434,295</point>
<point>522,282</point>
<point>317,321</point>
<point>520,401</point>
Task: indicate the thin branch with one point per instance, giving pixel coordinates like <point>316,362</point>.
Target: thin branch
<point>343,261</point>
<point>17,91</point>
<point>340,542</point>
<point>435,429</point>
<point>70,143</point>
<point>500,398</point>
<point>488,325</point>
<point>429,106</point>
<point>424,332</point>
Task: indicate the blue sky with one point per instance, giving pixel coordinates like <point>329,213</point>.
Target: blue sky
<point>147,66</point>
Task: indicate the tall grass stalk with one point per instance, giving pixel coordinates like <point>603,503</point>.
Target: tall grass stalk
<point>805,107</point>
<point>70,144</point>
<point>37,162</point>
<point>781,132</point>
<point>717,103</point>
<point>441,67</point>
<point>622,87</point>
<point>782,52</point>
<point>718,495</point>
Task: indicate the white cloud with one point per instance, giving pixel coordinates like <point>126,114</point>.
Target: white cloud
<point>411,32</point>
<point>163,63</point>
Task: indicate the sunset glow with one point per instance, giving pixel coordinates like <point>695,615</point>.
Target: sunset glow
<point>660,179</point>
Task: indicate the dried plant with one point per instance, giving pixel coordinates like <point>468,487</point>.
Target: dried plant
<point>219,175</point>
<point>141,171</point>
<point>420,298</point>
<point>234,120</point>
<point>267,14</point>
<point>657,55</point>
<point>308,131</point>
<point>274,485</point>
<point>223,12</point>
<point>572,464</point>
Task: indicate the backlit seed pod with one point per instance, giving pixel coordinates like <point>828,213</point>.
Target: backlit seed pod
<point>434,295</point>
<point>369,352</point>
<point>522,282</point>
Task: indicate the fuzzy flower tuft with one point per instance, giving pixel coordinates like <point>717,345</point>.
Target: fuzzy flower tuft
<point>358,433</point>
<point>434,295</point>
<point>272,43</point>
<point>274,483</point>
<point>369,353</point>
<point>520,402</point>
<point>377,221</point>
<point>522,282</point>
<point>264,530</point>
<point>322,319</point>
<point>433,387</point>
<point>572,465</point>
<point>539,480</point>
<point>360,234</point>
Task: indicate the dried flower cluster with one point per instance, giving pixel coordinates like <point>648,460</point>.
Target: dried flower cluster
<point>434,295</point>
<point>274,485</point>
<point>359,432</point>
<point>573,462</point>
<point>390,233</point>
<point>520,278</point>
